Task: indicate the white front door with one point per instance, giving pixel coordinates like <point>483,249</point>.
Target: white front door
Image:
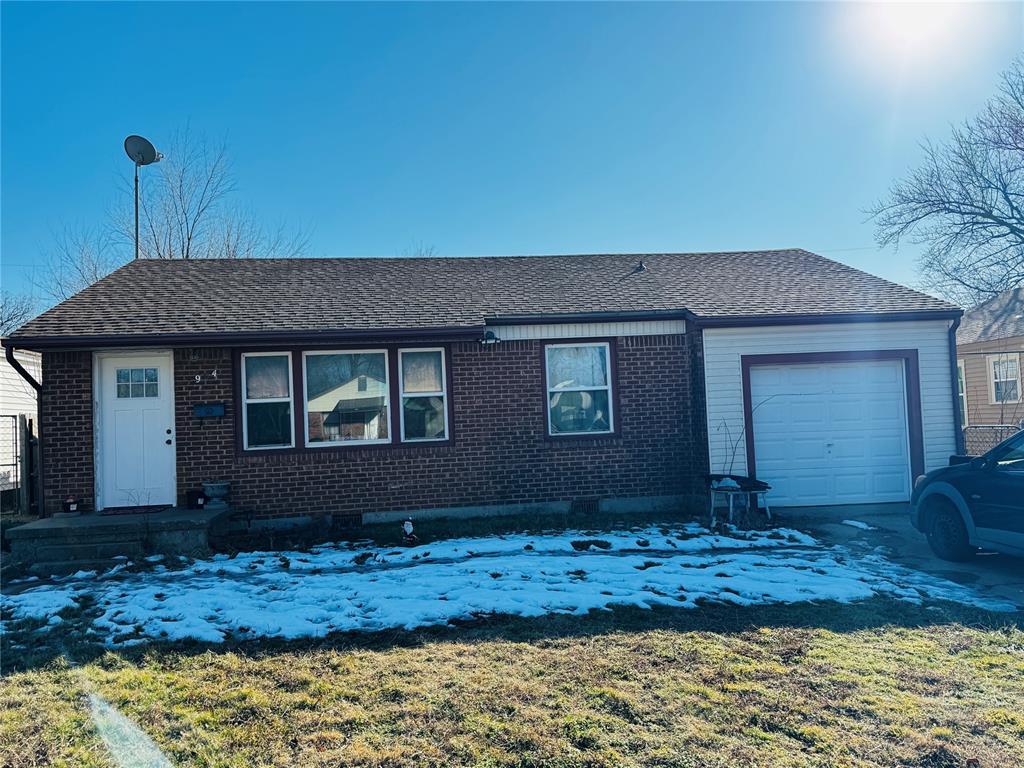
<point>831,433</point>
<point>135,446</point>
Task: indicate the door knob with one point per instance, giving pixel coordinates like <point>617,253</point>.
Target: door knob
<point>168,441</point>
<point>168,431</point>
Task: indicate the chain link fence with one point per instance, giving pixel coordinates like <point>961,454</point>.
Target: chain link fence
<point>10,464</point>
<point>981,438</point>
<point>19,463</point>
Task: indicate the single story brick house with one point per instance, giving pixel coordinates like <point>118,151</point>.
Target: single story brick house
<point>375,388</point>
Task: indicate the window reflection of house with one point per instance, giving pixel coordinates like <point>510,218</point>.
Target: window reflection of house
<point>354,410</point>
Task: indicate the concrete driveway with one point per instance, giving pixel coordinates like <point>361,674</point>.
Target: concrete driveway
<point>988,572</point>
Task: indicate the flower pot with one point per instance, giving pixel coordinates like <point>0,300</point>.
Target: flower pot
<point>216,492</point>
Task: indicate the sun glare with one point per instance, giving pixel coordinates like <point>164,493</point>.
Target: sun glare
<point>907,40</point>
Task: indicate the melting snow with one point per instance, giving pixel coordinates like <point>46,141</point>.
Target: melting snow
<point>859,524</point>
<point>335,588</point>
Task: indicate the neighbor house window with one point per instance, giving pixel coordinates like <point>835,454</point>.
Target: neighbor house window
<point>1004,378</point>
<point>267,415</point>
<point>579,388</point>
<point>346,397</point>
<point>421,378</point>
<point>961,391</point>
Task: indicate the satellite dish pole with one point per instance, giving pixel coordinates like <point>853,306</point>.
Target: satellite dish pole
<point>142,152</point>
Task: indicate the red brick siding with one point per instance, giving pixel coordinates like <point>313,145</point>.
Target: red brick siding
<point>65,406</point>
<point>499,453</point>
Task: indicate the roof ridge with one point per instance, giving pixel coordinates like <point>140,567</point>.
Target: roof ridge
<point>472,257</point>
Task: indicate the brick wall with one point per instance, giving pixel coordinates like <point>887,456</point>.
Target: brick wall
<point>66,428</point>
<point>499,452</point>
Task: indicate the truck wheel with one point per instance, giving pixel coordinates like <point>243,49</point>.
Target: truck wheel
<point>947,535</point>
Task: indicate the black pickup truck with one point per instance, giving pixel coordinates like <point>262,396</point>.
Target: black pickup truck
<point>974,502</point>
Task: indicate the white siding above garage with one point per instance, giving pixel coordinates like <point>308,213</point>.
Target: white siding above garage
<point>724,348</point>
<point>588,329</point>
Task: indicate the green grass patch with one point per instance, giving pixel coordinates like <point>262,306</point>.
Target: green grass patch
<point>873,684</point>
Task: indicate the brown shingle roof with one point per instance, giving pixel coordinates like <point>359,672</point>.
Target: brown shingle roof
<point>1001,317</point>
<point>220,296</point>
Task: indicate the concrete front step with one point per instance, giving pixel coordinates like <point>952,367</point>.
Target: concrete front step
<point>60,545</point>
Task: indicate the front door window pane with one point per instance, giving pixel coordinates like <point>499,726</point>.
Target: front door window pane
<point>137,382</point>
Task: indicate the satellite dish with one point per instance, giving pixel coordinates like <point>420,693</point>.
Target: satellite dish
<point>141,151</point>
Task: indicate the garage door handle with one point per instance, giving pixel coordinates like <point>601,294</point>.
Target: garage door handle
<point>975,496</point>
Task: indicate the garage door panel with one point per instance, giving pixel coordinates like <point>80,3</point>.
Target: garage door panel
<point>891,484</point>
<point>804,449</point>
<point>806,413</point>
<point>831,433</point>
<point>804,376</point>
<point>773,412</point>
<point>804,487</point>
<point>851,485</point>
<point>886,411</point>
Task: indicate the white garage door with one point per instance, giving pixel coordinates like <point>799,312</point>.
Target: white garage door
<point>831,433</point>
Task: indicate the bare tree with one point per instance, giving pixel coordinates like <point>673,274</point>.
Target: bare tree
<point>15,311</point>
<point>186,211</point>
<point>79,257</point>
<point>965,203</point>
<point>419,250</point>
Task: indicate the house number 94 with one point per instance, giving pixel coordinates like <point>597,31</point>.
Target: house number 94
<point>199,376</point>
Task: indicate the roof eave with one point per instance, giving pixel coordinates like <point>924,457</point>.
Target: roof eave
<point>245,338</point>
<point>741,321</point>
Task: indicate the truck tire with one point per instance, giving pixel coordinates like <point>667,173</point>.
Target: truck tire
<point>947,533</point>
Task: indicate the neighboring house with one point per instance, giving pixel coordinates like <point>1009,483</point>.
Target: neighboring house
<point>990,343</point>
<point>384,387</point>
<point>17,397</point>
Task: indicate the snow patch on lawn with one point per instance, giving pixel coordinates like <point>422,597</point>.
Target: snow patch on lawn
<point>336,588</point>
<point>859,524</point>
<point>39,603</point>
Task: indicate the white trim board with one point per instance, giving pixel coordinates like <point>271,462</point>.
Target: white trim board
<point>588,330</point>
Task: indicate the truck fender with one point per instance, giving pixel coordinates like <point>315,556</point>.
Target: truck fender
<point>952,495</point>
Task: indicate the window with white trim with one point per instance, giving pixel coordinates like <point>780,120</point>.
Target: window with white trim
<point>961,391</point>
<point>579,388</point>
<point>267,404</point>
<point>347,397</point>
<point>1004,378</point>
<point>423,396</point>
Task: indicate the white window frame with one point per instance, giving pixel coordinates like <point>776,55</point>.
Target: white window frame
<point>305,398</point>
<point>608,386</point>
<point>443,394</point>
<point>961,388</point>
<point>990,361</point>
<point>245,402</point>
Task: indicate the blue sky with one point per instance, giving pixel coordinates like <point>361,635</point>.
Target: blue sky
<point>500,129</point>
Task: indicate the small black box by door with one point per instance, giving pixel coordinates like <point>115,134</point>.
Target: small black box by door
<point>196,499</point>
